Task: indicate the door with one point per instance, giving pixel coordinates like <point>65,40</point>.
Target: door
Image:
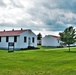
<point>29,41</point>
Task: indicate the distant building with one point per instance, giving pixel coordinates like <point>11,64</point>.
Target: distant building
<point>39,42</point>
<point>39,37</point>
<point>51,40</point>
<point>20,38</point>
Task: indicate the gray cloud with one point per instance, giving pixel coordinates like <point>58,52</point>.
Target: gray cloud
<point>16,4</point>
<point>53,15</point>
<point>2,4</point>
<point>61,4</point>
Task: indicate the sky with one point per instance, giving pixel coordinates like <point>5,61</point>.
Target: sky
<point>41,16</point>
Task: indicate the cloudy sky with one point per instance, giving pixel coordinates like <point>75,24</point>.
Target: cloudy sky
<point>45,16</point>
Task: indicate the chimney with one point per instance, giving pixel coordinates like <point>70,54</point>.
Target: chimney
<point>4,30</point>
<point>21,29</point>
<point>12,29</point>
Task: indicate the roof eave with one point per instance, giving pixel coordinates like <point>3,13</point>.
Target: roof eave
<point>9,35</point>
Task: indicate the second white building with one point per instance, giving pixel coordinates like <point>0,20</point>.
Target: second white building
<point>51,40</point>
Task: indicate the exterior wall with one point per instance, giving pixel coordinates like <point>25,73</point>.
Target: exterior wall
<point>50,41</point>
<point>27,34</point>
<point>20,40</point>
<point>4,44</point>
<point>73,44</point>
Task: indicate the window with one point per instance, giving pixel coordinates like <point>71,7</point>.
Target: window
<point>7,38</point>
<point>25,39</point>
<point>15,38</point>
<point>0,39</point>
<point>58,40</point>
<point>33,40</point>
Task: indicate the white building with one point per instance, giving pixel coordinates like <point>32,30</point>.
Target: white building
<point>39,42</point>
<point>19,38</point>
<point>51,40</point>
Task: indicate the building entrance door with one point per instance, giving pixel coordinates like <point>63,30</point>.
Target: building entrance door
<point>29,41</point>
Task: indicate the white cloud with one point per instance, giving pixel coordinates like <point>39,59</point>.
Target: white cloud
<point>38,15</point>
<point>6,1</point>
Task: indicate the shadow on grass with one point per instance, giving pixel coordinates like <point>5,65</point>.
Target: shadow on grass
<point>22,49</point>
<point>30,48</point>
<point>70,51</point>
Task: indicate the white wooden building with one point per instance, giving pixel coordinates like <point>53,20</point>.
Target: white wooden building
<point>51,40</point>
<point>20,38</point>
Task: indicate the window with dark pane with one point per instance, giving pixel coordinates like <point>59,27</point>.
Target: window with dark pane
<point>33,39</point>
<point>0,39</point>
<point>7,38</point>
<point>15,38</point>
<point>25,39</point>
<point>58,40</point>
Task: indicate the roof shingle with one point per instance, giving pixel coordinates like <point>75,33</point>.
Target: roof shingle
<point>11,33</point>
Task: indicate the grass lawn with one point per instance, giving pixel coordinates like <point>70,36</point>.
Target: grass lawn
<point>45,61</point>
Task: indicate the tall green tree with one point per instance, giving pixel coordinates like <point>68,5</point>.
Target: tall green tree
<point>68,36</point>
<point>39,36</point>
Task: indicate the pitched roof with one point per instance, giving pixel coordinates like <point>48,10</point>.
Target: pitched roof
<point>54,36</point>
<point>11,33</point>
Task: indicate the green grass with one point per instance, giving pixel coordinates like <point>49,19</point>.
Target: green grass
<point>45,61</point>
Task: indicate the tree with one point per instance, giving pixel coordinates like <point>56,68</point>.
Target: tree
<point>39,36</point>
<point>68,36</point>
